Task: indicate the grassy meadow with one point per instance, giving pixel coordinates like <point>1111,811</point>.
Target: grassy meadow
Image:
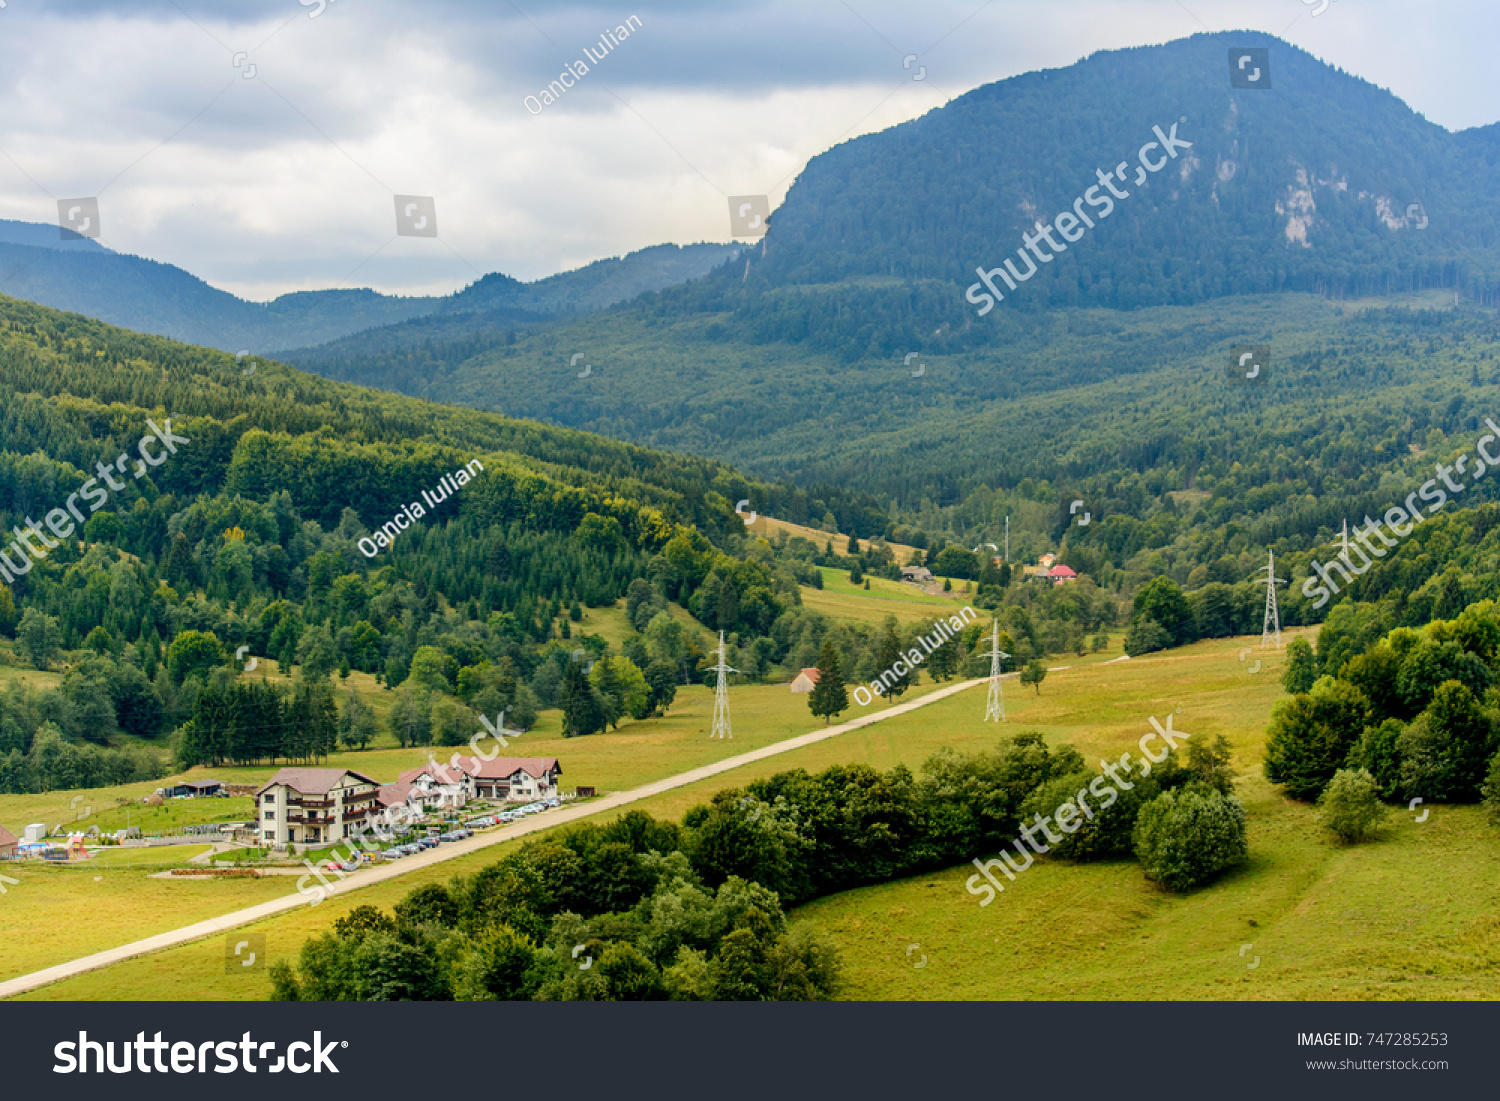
<point>637,753</point>
<point>1409,915</point>
<point>839,598</point>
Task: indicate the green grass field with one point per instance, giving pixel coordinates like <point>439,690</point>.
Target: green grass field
<point>637,753</point>
<point>840,599</point>
<point>1408,915</point>
<point>158,856</point>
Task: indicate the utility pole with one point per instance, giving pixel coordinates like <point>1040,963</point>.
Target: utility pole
<point>1272,622</point>
<point>994,706</point>
<point>721,695</point>
<point>1343,543</point>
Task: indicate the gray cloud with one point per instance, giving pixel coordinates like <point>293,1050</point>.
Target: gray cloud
<point>284,181</point>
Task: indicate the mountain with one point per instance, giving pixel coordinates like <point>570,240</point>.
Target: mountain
<point>1321,182</point>
<point>800,362</point>
<point>151,297</point>
<point>482,313</point>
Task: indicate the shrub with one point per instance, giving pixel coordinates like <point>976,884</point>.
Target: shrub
<point>1377,754</point>
<point>1311,735</point>
<point>1491,789</point>
<point>1146,636</point>
<point>1445,752</point>
<point>1301,669</point>
<point>1184,838</point>
<point>1105,831</point>
<point>1350,805</point>
<point>1209,764</point>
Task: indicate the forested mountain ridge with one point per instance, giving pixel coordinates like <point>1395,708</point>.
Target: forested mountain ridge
<point>68,380</point>
<point>255,534</point>
<point>153,297</point>
<point>1321,183</point>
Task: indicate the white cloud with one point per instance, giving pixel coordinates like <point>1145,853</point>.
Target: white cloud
<point>285,181</point>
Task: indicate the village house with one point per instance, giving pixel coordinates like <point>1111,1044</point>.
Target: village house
<point>10,844</point>
<point>917,575</point>
<point>513,779</point>
<point>1060,575</point>
<point>439,787</point>
<point>314,806</point>
<point>805,680</point>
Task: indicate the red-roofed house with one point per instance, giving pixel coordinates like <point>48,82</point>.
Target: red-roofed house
<point>10,844</point>
<point>1060,575</point>
<point>314,806</point>
<point>805,680</point>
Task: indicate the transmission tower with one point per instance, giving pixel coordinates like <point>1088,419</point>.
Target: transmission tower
<point>1272,623</point>
<point>721,695</point>
<point>994,706</point>
<point>1343,543</point>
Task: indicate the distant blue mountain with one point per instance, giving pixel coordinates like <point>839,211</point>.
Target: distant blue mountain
<point>80,275</point>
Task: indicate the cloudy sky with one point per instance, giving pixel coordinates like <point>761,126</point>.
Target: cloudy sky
<point>260,143</point>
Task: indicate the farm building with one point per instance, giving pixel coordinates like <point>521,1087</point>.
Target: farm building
<point>920,575</point>
<point>805,680</point>
<point>194,789</point>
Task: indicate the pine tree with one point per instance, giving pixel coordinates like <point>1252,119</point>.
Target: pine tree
<point>582,707</point>
<point>829,696</point>
<point>853,548</point>
<point>887,653</point>
<point>944,660</point>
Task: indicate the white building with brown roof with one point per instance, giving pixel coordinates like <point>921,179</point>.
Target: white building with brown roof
<point>513,779</point>
<point>314,806</point>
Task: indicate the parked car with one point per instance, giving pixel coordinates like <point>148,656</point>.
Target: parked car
<point>554,802</point>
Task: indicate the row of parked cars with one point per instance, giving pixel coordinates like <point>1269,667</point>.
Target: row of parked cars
<point>431,841</point>
<point>508,816</point>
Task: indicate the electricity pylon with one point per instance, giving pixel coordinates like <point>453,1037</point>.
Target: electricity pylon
<point>994,705</point>
<point>721,695</point>
<point>1343,542</point>
<point>1272,622</point>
